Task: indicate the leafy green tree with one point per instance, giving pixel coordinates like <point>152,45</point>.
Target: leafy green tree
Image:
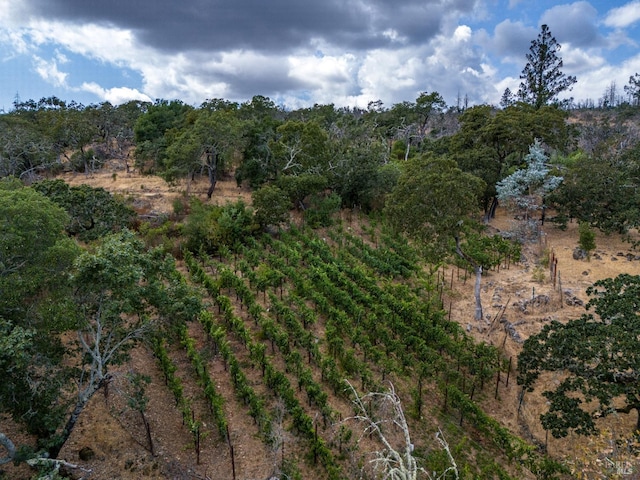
<point>93,212</point>
<point>299,187</point>
<point>489,142</point>
<point>209,227</point>
<point>542,77</point>
<point>432,202</point>
<point>433,199</point>
<point>272,205</point>
<point>208,143</point>
<point>360,172</point>
<point>321,209</point>
<point>261,119</point>
<point>154,129</point>
<point>428,104</point>
<point>299,148</point>
<point>601,190</point>
<point>120,290</point>
<point>596,358</point>
<point>35,307</point>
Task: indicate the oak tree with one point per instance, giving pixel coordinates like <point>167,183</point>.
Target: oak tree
<point>595,357</point>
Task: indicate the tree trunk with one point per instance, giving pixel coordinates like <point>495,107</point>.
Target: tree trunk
<point>478,270</point>
<point>490,212</point>
<point>83,400</point>
<point>476,291</point>
<point>212,166</point>
<point>147,429</point>
<point>9,447</point>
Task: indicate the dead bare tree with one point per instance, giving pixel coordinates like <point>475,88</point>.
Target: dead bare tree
<point>394,463</point>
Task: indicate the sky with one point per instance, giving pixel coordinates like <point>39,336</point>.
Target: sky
<point>305,52</point>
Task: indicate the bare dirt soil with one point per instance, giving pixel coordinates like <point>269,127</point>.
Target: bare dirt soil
<point>115,434</point>
<point>518,301</point>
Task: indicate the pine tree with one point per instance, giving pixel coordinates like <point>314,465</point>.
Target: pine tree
<point>542,77</point>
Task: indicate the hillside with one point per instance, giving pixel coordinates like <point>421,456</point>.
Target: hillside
<point>307,362</point>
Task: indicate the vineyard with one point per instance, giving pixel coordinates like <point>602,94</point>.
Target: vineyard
<point>288,319</point>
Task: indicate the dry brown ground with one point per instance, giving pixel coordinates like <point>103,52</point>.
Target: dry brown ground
<point>510,288</point>
<point>152,194</point>
<point>117,437</point>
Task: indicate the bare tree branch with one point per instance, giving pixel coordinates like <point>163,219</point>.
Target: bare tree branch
<point>394,463</point>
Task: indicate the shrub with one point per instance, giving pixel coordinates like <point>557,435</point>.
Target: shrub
<point>587,238</point>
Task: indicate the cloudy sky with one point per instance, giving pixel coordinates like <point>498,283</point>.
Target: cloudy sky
<point>301,52</point>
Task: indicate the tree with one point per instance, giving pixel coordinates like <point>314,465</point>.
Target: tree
<point>633,89</point>
<point>426,105</point>
<point>299,148</point>
<point>527,187</point>
<point>507,99</point>
<point>595,357</point>
<point>271,205</point>
<point>24,151</point>
<point>120,289</point>
<point>93,211</point>
<point>35,307</point>
<point>603,190</point>
<point>542,77</point>
<point>587,238</point>
<point>206,144</point>
<point>432,202</point>
<point>155,127</point>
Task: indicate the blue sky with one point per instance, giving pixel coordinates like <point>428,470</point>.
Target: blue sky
<point>301,52</point>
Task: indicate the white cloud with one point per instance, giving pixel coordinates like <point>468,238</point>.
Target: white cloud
<point>592,84</point>
<point>116,95</point>
<point>624,16</point>
<point>48,71</point>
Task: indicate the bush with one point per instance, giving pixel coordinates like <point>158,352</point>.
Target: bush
<point>209,227</point>
<point>321,210</point>
<point>587,238</point>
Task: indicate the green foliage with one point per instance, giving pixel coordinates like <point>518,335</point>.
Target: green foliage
<point>542,76</point>
<point>299,187</point>
<point>587,238</point>
<point>34,252</point>
<point>490,251</point>
<point>209,227</point>
<point>272,205</point>
<point>154,128</point>
<point>137,399</point>
<point>603,191</point>
<point>432,200</point>
<point>93,212</point>
<point>35,256</point>
<point>596,358</point>
<point>321,210</point>
<point>299,148</point>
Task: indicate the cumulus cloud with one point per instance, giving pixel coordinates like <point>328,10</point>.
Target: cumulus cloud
<point>511,40</point>
<point>286,25</point>
<point>624,16</point>
<point>573,23</point>
<point>48,71</point>
<point>298,52</point>
<point>115,95</point>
